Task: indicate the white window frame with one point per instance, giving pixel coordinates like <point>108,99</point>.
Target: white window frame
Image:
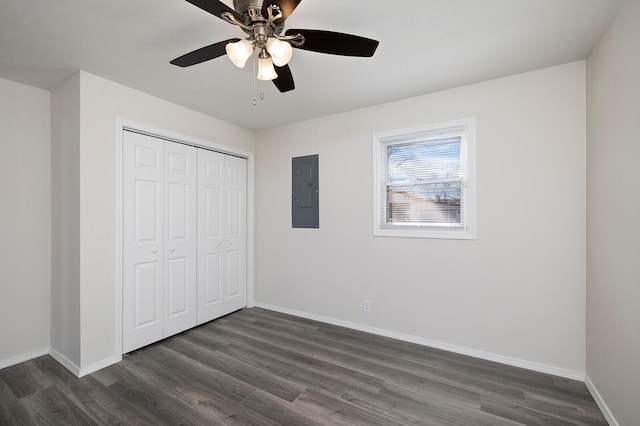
<point>432,131</point>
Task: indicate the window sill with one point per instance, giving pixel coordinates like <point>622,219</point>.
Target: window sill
<point>430,233</point>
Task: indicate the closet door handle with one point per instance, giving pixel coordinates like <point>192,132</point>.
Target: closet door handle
<point>154,250</point>
<point>172,249</point>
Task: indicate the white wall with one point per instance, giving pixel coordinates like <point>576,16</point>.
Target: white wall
<point>101,103</point>
<point>25,215</point>
<point>516,292</point>
<point>65,193</point>
<point>613,209</point>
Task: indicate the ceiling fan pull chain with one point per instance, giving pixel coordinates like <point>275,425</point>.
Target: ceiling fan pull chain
<point>254,81</point>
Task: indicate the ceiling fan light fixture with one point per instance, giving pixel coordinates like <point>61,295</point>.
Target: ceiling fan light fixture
<point>265,69</point>
<point>280,51</point>
<point>263,23</point>
<point>239,52</point>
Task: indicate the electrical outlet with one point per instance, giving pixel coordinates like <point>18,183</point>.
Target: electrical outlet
<point>366,305</point>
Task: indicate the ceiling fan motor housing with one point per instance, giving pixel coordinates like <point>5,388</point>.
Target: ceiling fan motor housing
<point>248,7</point>
<point>256,23</point>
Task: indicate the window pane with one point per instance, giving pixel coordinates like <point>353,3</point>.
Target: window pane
<point>426,204</point>
<point>424,161</point>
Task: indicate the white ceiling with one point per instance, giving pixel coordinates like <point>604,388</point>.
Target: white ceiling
<point>425,46</point>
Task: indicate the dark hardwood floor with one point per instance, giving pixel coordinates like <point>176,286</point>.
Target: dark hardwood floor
<point>264,368</point>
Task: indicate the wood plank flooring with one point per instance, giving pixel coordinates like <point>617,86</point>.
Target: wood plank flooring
<point>258,367</point>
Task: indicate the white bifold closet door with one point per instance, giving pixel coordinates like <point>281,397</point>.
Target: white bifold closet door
<point>222,234</point>
<point>160,239</point>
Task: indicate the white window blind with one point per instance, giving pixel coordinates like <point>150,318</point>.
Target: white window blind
<point>423,181</point>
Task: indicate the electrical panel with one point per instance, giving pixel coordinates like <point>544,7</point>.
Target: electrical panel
<point>305,193</point>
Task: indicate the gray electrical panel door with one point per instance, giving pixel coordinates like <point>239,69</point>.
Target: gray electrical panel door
<point>305,192</point>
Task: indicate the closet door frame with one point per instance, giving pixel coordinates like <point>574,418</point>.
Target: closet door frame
<point>121,126</point>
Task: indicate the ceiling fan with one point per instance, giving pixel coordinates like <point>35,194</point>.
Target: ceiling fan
<point>263,22</point>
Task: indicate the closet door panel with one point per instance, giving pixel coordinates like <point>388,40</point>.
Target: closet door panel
<point>178,287</point>
<point>213,279</point>
<point>143,238</point>
<point>210,235</point>
<point>233,276</point>
<point>235,233</point>
<point>147,280</point>
<point>180,183</point>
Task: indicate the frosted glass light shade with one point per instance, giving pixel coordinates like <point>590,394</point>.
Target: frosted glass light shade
<point>239,52</point>
<point>280,51</point>
<point>266,70</point>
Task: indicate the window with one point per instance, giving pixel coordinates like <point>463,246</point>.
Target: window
<point>424,183</point>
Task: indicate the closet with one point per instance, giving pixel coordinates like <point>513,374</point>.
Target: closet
<point>184,242</point>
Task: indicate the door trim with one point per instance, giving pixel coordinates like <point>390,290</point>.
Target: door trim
<point>121,126</point>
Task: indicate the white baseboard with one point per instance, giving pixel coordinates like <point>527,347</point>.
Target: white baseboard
<point>601,404</point>
<point>77,371</point>
<point>66,362</point>
<point>8,362</point>
<point>97,366</point>
<point>514,362</point>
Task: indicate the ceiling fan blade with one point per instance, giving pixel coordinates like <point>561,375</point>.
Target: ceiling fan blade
<point>216,8</point>
<point>284,82</point>
<point>335,43</point>
<point>203,54</point>
<point>286,6</point>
